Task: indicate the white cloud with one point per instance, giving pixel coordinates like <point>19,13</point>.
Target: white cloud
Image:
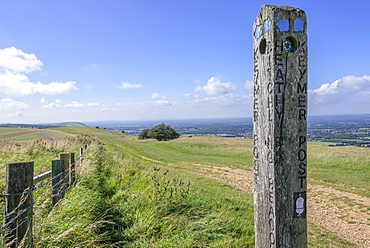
<point>43,100</point>
<point>228,105</point>
<point>16,61</point>
<point>91,104</point>
<point>19,85</point>
<point>346,88</point>
<point>216,87</point>
<point>9,104</point>
<point>188,96</point>
<point>15,64</point>
<point>55,88</point>
<point>74,104</point>
<point>158,96</point>
<point>349,94</point>
<point>128,86</point>
<point>162,103</point>
<point>55,104</point>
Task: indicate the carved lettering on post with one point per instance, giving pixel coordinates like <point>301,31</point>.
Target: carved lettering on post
<point>280,127</point>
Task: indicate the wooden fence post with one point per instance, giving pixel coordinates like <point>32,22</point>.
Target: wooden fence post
<point>72,173</point>
<point>280,127</point>
<point>66,157</point>
<point>81,155</point>
<point>18,205</point>
<point>57,168</point>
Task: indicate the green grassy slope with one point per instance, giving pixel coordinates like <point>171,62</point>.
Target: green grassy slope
<point>212,214</point>
<point>132,193</point>
<point>150,206</point>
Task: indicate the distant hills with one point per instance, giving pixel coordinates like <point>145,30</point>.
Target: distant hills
<point>45,125</point>
<point>339,129</point>
<point>335,128</point>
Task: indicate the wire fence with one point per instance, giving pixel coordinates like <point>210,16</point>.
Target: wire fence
<point>19,205</point>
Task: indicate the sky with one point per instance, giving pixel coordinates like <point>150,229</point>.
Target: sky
<point>91,60</point>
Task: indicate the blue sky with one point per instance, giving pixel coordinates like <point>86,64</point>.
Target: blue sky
<point>142,59</point>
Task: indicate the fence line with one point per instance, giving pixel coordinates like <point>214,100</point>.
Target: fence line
<point>19,203</point>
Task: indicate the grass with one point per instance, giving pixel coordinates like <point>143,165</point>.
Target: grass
<point>321,143</point>
<point>319,237</point>
<point>343,168</point>
<point>27,137</point>
<point>41,152</point>
<point>123,200</point>
<point>163,208</point>
<point>204,150</point>
<point>29,134</point>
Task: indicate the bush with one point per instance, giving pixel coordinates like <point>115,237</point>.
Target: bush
<point>160,132</point>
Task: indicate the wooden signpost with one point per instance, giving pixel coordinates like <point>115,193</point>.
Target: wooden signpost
<point>280,127</point>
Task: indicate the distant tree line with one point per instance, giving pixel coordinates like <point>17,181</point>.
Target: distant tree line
<point>160,132</point>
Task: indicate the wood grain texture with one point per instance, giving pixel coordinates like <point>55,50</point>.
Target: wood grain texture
<point>280,126</point>
<point>18,204</point>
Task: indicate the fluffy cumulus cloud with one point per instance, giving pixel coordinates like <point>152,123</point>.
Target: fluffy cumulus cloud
<point>16,61</point>
<point>349,94</point>
<point>10,104</point>
<point>55,104</point>
<point>14,67</point>
<point>348,87</point>
<point>215,87</point>
<point>161,103</point>
<point>93,104</point>
<point>128,86</point>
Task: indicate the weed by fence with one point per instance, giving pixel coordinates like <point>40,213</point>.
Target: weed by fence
<point>19,202</point>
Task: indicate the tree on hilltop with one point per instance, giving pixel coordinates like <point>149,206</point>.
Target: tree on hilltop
<point>160,132</point>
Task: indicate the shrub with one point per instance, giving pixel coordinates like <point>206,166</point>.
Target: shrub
<point>160,132</point>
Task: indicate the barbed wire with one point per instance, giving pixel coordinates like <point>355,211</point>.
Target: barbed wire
<point>15,228</point>
<point>57,184</point>
<point>50,180</point>
<point>21,203</point>
<point>29,191</point>
<point>16,217</point>
<point>26,193</point>
<point>9,222</point>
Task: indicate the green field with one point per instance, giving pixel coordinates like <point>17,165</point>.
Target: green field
<point>135,193</point>
<point>26,134</point>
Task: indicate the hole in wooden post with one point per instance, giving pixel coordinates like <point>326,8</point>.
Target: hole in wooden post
<point>262,46</point>
<point>290,44</point>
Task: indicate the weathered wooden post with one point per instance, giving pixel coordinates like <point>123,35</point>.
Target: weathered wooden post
<point>81,155</point>
<point>66,157</point>
<point>57,168</point>
<point>18,205</point>
<point>280,127</point>
<point>72,172</point>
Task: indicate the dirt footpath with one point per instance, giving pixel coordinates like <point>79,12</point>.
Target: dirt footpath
<point>346,214</point>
